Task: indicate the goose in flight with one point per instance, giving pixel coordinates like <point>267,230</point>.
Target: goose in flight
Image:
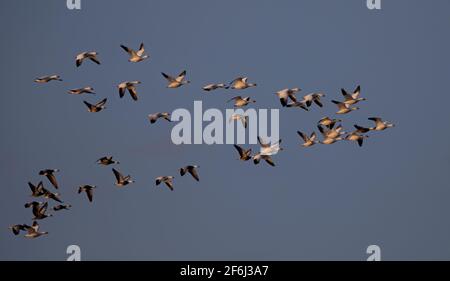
<point>107,160</point>
<point>286,94</point>
<point>380,125</point>
<point>36,191</point>
<point>244,154</point>
<point>80,91</point>
<point>343,107</point>
<point>257,158</point>
<point>136,56</point>
<point>86,55</point>
<point>39,210</point>
<point>51,195</point>
<point>33,230</point>
<point>300,104</point>
<point>120,179</point>
<point>308,140</point>
<point>313,97</point>
<point>61,207</point>
<point>131,87</point>
<point>352,98</point>
<point>241,83</point>
<point>99,106</point>
<point>330,140</point>
<point>176,82</point>
<point>355,136</point>
<point>269,149</point>
<point>361,129</point>
<point>212,87</point>
<point>191,169</point>
<point>331,133</point>
<point>328,122</point>
<point>168,180</point>
<point>49,173</point>
<point>46,79</point>
<point>240,101</point>
<point>239,117</point>
<point>154,117</point>
<point>89,189</point>
<point>17,228</point>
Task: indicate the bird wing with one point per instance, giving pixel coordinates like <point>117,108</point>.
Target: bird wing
<point>303,136</point>
<point>101,103</point>
<point>356,92</point>
<point>141,50</point>
<point>117,174</point>
<point>133,93</point>
<point>181,76</point>
<point>262,143</point>
<point>128,50</point>
<point>90,194</point>
<point>194,173</point>
<point>239,149</point>
<point>168,77</point>
<point>51,177</point>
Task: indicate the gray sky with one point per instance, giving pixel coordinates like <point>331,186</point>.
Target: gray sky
<point>323,203</point>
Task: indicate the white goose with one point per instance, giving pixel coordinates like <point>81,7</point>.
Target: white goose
<point>343,107</point>
<point>352,98</point>
<point>46,79</point>
<point>154,117</point>
<point>240,101</point>
<point>355,136</point>
<point>168,180</point>
<point>239,117</point>
<point>136,56</point>
<point>86,55</point>
<point>80,91</point>
<point>211,87</point>
<point>33,231</point>
<point>308,140</point>
<point>176,82</point>
<point>286,94</point>
<point>380,125</point>
<point>241,83</point>
<point>99,106</point>
<point>313,97</point>
<point>131,87</point>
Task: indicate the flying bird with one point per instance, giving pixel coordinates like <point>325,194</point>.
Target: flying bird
<point>89,189</point>
<point>99,106</point>
<point>212,87</point>
<point>241,83</point>
<point>86,55</point>
<point>361,129</point>
<point>300,104</point>
<point>120,179</point>
<point>136,56</point>
<point>154,117</point>
<point>240,101</point>
<point>176,82</point>
<point>343,107</point>
<point>239,117</point>
<point>107,160</point>
<point>61,207</point>
<point>168,180</point>
<point>51,195</point>
<point>131,87</point>
<point>313,97</point>
<point>286,94</point>
<point>331,133</point>
<point>308,140</point>
<point>191,169</point>
<point>269,149</point>
<point>380,125</point>
<point>49,173</point>
<point>46,79</point>
<point>355,136</point>
<point>39,210</point>
<point>257,158</point>
<point>17,228</point>
<point>36,191</point>
<point>352,98</point>
<point>244,154</point>
<point>80,91</point>
<point>328,122</point>
<point>33,231</point>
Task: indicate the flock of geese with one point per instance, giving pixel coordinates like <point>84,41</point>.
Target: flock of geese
<point>331,129</point>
